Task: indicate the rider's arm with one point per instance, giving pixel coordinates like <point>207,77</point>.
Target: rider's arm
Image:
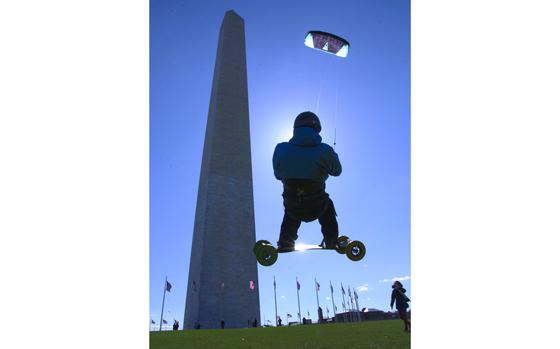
<point>336,167</point>
<point>276,163</point>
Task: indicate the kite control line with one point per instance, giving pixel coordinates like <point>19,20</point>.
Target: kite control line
<point>332,44</point>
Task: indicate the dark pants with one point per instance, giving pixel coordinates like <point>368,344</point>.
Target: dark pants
<point>291,223</point>
<point>403,315</point>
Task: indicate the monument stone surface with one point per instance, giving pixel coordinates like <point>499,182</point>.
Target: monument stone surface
<point>222,283</point>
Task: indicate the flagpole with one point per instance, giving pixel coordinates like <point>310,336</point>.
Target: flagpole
<point>221,301</point>
<point>358,306</point>
<point>317,294</point>
<point>298,306</point>
<point>351,304</point>
<point>343,302</point>
<point>163,303</point>
<point>275,305</point>
<point>332,299</point>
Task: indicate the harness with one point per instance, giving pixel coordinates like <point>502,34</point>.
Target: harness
<point>305,199</point>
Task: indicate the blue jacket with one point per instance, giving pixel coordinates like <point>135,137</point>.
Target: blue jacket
<point>305,157</point>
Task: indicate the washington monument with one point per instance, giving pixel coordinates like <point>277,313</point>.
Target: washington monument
<point>223,283</point>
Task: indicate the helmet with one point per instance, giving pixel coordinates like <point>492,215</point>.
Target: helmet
<point>308,119</point>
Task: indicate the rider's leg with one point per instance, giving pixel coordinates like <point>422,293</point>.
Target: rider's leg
<point>329,225</point>
<point>288,233</point>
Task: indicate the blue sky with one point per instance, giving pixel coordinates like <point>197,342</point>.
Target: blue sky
<point>365,96</point>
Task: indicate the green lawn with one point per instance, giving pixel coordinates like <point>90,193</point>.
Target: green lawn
<point>386,334</point>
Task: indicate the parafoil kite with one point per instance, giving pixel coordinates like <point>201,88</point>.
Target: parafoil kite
<point>327,42</point>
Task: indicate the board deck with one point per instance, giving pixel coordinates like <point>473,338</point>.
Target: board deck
<point>304,247</point>
<point>267,254</point>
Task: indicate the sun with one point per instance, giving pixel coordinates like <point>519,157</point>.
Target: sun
<point>285,134</point>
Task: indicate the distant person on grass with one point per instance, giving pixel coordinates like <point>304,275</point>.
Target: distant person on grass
<point>303,165</point>
<point>222,324</point>
<point>255,323</point>
<point>402,300</point>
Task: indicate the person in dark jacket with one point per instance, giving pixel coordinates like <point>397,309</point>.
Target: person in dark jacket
<point>303,165</point>
<point>402,300</point>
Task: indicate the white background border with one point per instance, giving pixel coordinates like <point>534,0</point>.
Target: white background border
<point>74,146</point>
<point>485,173</point>
<point>74,174</point>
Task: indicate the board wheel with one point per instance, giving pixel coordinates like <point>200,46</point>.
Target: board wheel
<point>356,250</point>
<point>341,244</point>
<point>267,255</point>
<point>258,245</point>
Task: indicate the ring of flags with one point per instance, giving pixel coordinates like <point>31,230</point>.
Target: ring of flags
<point>353,296</point>
<point>350,304</point>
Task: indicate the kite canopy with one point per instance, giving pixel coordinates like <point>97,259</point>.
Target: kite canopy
<point>327,42</point>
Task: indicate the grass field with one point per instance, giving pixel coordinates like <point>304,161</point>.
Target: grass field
<point>386,334</point>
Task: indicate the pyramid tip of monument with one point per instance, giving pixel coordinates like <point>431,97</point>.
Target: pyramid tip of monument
<point>233,13</point>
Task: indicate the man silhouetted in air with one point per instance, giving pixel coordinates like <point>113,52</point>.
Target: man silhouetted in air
<point>303,165</point>
<point>402,300</point>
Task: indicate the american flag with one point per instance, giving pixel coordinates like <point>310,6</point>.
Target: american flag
<point>298,285</point>
<point>165,321</point>
<point>153,322</point>
<point>342,288</point>
<point>289,315</point>
<point>167,286</point>
<point>318,286</point>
